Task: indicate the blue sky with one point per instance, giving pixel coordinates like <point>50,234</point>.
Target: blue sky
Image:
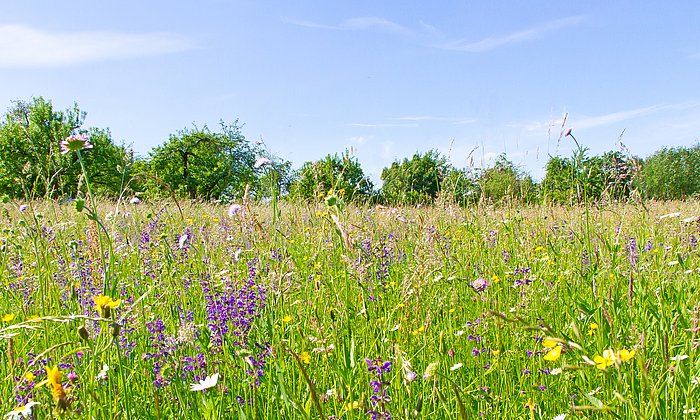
<point>472,79</point>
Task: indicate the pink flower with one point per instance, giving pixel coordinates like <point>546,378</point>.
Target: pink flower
<point>261,162</point>
<point>75,143</point>
<point>566,132</point>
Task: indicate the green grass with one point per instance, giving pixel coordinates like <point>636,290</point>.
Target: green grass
<point>305,308</point>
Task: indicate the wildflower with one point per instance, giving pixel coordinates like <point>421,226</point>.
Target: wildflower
<point>29,376</point>
<point>305,357</point>
<point>456,366</point>
<point>24,411</point>
<point>287,319</point>
<point>430,370</point>
<point>607,359</point>
<point>556,371</point>
<point>566,132</point>
<point>530,404</point>
<point>553,354</point>
<point>53,376</point>
<point>626,355</point>
<point>378,366</point>
<point>549,343</point>
<point>8,318</point>
<point>261,162</point>
<point>206,383</point>
<point>75,143</point>
<point>104,304</point>
<point>479,285</point>
<point>135,200</point>
<point>592,329</point>
<point>102,374</point>
<point>234,209</point>
<point>23,208</point>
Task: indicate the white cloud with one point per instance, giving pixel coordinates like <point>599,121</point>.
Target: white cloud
<point>358,23</point>
<point>22,46</point>
<point>381,125</point>
<point>358,139</point>
<point>487,44</point>
<point>453,120</point>
<point>582,122</point>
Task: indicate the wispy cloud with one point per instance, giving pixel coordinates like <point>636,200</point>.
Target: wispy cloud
<point>381,125</point>
<point>490,43</point>
<point>453,120</point>
<point>359,23</point>
<point>583,122</point>
<point>22,46</point>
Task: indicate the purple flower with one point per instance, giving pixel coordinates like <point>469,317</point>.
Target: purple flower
<point>378,366</point>
<point>479,285</point>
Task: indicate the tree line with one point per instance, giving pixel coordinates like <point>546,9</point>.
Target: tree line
<point>221,164</point>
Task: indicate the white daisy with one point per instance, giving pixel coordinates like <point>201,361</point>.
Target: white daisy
<point>206,383</point>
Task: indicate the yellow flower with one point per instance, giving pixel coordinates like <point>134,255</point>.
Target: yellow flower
<point>419,330</point>
<point>495,279</point>
<point>29,376</point>
<point>549,343</point>
<point>53,376</point>
<point>103,304</point>
<point>287,318</point>
<point>305,357</point>
<point>592,329</point>
<point>8,318</point>
<point>606,360</point>
<point>352,406</point>
<point>553,354</point>
<point>529,404</point>
<point>626,355</point>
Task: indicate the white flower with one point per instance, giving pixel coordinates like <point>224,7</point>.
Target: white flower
<point>23,207</point>
<point>102,375</point>
<point>695,380</point>
<point>135,200</point>
<point>456,366</point>
<point>261,162</point>
<point>206,383</point>
<point>560,417</point>
<point>679,357</point>
<point>555,371</point>
<point>183,239</point>
<point>22,412</point>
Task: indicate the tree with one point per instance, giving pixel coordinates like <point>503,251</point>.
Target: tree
<point>671,174</point>
<point>30,159</point>
<point>199,163</point>
<point>342,175</point>
<point>503,180</point>
<point>414,181</point>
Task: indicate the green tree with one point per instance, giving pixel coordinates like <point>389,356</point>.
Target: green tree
<point>30,158</point>
<point>414,181</point>
<point>671,174</point>
<point>341,174</point>
<point>199,163</point>
<point>505,181</point>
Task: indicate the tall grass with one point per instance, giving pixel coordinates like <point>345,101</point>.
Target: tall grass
<point>366,312</point>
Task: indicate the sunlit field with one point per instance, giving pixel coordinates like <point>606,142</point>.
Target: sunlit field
<point>201,311</point>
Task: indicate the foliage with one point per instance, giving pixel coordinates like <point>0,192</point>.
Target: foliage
<point>587,178</point>
<point>671,173</point>
<point>341,175</point>
<point>504,181</point>
<point>199,163</point>
<point>414,181</point>
<point>30,160</point>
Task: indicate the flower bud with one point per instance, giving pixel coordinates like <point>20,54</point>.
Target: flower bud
<point>83,333</point>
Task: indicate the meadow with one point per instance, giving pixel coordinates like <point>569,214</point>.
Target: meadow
<point>306,311</point>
